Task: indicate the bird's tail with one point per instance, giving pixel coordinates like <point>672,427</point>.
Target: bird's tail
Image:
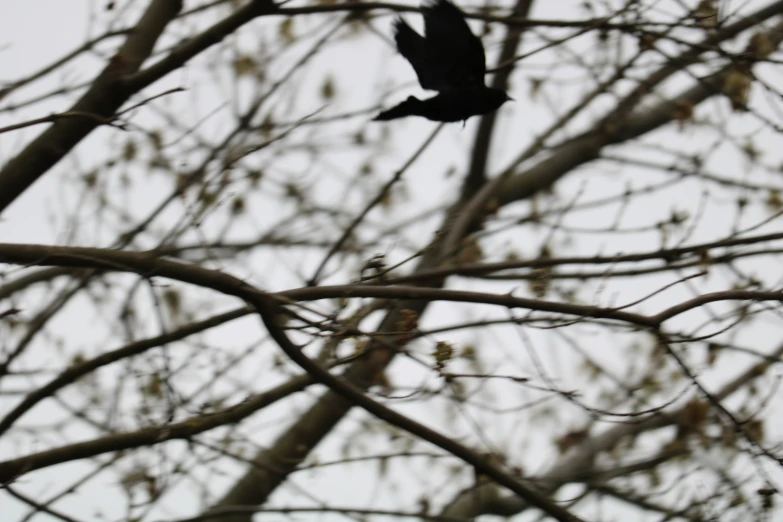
<point>410,107</point>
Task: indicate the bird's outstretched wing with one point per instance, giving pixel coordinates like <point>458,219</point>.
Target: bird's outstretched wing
<point>460,52</point>
<point>449,56</point>
<point>417,51</point>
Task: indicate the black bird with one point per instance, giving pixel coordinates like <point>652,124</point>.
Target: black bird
<point>449,59</point>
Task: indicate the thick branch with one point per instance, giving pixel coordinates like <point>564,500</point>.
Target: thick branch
<point>116,83</point>
<point>102,99</point>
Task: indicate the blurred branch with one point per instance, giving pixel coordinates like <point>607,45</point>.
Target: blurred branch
<point>5,91</point>
<point>97,118</point>
<point>578,461</point>
<point>10,470</point>
<point>615,127</point>
<point>102,99</point>
<point>76,371</point>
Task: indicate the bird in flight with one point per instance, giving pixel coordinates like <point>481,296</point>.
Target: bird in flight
<point>449,59</point>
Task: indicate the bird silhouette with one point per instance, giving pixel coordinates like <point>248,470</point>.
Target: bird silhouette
<point>449,59</point>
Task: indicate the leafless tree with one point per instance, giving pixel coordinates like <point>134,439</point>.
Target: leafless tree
<point>238,297</point>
